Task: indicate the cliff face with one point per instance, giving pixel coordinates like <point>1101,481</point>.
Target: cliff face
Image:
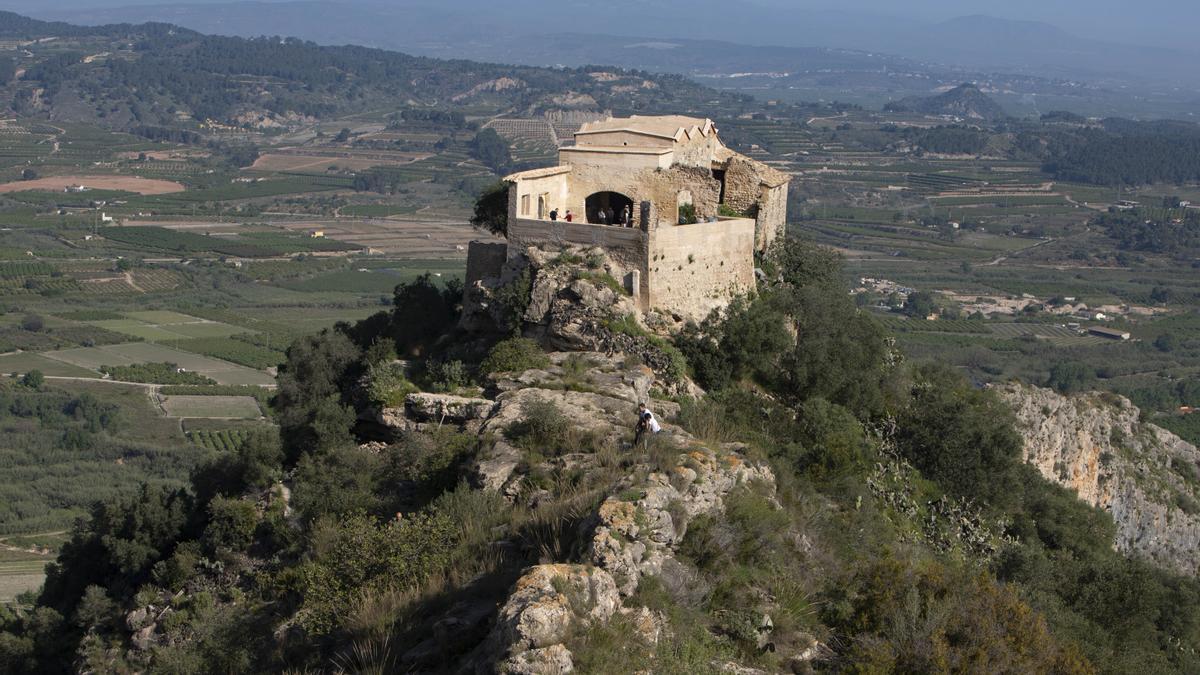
<point>1146,477</point>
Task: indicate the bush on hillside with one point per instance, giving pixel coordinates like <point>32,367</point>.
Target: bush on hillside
<point>513,356</point>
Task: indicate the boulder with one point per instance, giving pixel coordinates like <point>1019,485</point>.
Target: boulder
<point>552,660</point>
<point>495,466</point>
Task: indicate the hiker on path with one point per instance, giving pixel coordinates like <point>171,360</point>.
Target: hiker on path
<point>646,424</point>
<point>553,214</point>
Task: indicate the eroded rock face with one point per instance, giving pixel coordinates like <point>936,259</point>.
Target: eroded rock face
<point>546,604</point>
<point>573,302</point>
<point>637,536</point>
<point>1096,445</point>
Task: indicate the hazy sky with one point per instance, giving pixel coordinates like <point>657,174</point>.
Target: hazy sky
<point>1174,23</point>
<point>1151,22</point>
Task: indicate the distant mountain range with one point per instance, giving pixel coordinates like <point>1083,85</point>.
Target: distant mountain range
<point>154,75</point>
<point>977,42</point>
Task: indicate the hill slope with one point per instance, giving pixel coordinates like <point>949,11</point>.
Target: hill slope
<point>157,74</point>
<point>965,101</point>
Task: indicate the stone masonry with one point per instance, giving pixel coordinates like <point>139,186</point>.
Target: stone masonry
<point>658,170</point>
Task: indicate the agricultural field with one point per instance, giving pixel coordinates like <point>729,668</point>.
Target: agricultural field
<point>119,184</point>
<point>219,440</point>
<point>241,351</point>
<point>23,362</point>
<point>223,372</point>
<point>217,407</point>
<point>21,571</point>
<point>163,326</point>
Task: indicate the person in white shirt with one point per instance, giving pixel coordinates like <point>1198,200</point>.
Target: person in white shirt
<point>646,423</point>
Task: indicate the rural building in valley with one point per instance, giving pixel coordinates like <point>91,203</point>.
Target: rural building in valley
<point>680,213</point>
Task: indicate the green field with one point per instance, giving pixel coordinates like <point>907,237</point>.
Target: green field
<point>24,362</point>
<point>133,353</point>
<point>165,326</point>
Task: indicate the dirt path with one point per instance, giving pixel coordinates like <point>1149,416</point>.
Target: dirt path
<point>133,284</point>
<point>835,117</point>
<point>1006,256</point>
<point>35,551</point>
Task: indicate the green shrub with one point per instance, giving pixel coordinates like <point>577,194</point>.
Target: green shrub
<point>355,555</point>
<point>429,460</point>
<point>513,356</point>
<point>231,524</point>
<point>447,375</point>
<point>543,428</point>
<point>687,214</point>
<point>833,438</point>
<point>514,298</point>
<point>388,385</point>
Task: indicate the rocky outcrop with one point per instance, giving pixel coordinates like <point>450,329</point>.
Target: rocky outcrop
<point>569,300</point>
<point>545,606</point>
<point>422,410</point>
<point>638,529</point>
<point>1146,477</point>
<point>634,531</point>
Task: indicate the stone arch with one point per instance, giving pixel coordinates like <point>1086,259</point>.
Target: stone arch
<point>608,200</point>
<point>542,212</point>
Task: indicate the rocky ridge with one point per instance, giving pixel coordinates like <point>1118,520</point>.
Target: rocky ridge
<point>1145,476</point>
<point>636,527</point>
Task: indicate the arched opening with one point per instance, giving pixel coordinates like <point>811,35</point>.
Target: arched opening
<point>541,207</point>
<point>687,209</point>
<point>610,208</point>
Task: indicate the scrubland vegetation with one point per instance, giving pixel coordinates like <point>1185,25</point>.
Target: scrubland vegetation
<point>908,535</point>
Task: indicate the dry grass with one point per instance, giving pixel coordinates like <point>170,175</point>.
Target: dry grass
<point>145,186</point>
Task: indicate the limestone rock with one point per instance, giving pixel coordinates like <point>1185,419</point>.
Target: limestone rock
<point>552,660</point>
<point>601,372</point>
<point>636,537</point>
<point>546,604</point>
<point>495,466</point>
<point>734,668</point>
<point>137,618</point>
<point>425,407</point>
<point>143,639</point>
<point>394,420</point>
<point>648,624</point>
<point>1096,445</point>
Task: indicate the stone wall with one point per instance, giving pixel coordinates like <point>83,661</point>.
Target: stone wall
<point>659,187</point>
<point>618,138</point>
<point>742,185</point>
<point>697,268</point>
<point>484,259</point>
<point>771,219</point>
<point>745,193</point>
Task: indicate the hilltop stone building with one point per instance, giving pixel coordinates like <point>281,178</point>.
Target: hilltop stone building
<point>697,211</point>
